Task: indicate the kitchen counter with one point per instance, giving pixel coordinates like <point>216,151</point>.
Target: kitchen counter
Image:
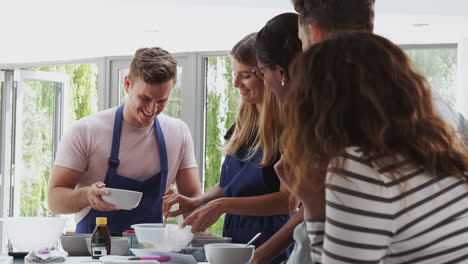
<point>84,260</point>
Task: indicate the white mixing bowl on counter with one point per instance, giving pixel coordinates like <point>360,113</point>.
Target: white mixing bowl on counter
<point>229,253</point>
<point>33,233</point>
<point>169,238</point>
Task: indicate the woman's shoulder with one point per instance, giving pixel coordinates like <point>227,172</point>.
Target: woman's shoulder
<point>357,165</point>
<point>386,171</point>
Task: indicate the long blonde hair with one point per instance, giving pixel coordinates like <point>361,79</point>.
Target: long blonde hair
<point>245,132</point>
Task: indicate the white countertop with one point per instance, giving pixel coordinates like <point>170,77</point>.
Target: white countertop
<point>81,260</point>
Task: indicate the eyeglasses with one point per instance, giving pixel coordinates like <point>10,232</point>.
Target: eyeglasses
<point>258,71</point>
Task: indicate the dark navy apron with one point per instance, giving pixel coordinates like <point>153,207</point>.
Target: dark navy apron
<point>244,178</point>
<point>150,208</point>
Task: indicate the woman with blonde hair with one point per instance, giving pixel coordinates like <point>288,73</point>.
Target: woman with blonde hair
<point>250,194</point>
<point>382,177</point>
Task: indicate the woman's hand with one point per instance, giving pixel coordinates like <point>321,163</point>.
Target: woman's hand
<point>94,194</point>
<point>205,216</point>
<point>186,204</point>
<point>310,190</point>
<point>258,257</point>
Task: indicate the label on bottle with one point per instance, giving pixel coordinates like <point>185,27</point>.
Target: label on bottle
<point>99,251</point>
<point>100,244</point>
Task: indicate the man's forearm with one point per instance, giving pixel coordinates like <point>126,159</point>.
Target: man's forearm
<point>280,241</point>
<point>64,200</point>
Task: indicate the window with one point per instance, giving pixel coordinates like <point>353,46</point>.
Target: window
<point>439,65</point>
<point>222,101</point>
<point>46,100</point>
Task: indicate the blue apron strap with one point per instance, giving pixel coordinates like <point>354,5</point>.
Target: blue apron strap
<point>114,158</point>
<point>162,154</point>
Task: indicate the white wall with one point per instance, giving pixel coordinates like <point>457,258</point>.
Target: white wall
<point>55,30</point>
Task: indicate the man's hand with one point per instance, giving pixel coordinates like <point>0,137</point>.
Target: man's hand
<point>186,204</point>
<point>94,194</point>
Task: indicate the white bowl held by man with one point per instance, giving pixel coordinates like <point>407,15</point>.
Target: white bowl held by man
<point>169,238</point>
<point>33,233</point>
<point>119,245</point>
<point>229,253</point>
<point>122,199</point>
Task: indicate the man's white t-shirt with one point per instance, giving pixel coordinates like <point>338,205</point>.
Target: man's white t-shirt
<point>86,147</point>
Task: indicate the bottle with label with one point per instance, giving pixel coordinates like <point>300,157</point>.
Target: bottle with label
<point>101,240</point>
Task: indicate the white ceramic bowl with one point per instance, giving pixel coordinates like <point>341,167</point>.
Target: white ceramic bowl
<point>154,236</point>
<point>75,244</point>
<point>119,245</point>
<point>122,199</point>
<point>33,233</point>
<point>200,241</point>
<point>229,253</point>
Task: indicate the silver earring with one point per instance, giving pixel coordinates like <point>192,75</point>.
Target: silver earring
<point>283,82</point>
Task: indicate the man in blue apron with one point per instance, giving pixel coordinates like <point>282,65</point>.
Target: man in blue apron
<point>131,147</point>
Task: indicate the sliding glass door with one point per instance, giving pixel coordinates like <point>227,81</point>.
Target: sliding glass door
<point>38,118</point>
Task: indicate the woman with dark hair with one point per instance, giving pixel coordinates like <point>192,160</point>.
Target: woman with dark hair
<point>251,195</point>
<point>382,177</point>
<point>277,45</point>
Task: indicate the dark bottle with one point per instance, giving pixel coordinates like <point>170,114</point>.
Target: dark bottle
<point>101,240</point>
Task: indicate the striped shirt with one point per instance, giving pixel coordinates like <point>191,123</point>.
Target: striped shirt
<point>372,217</point>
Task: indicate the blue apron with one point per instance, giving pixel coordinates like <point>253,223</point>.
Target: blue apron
<point>150,208</point>
<point>244,178</point>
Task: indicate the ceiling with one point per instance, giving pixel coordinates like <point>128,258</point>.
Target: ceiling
<point>50,30</point>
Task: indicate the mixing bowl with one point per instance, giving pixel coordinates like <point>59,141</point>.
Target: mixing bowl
<point>75,244</point>
<point>122,199</point>
<point>229,253</point>
<point>33,233</point>
<point>200,241</point>
<point>155,236</point>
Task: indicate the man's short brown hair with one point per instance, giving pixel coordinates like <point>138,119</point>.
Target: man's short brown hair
<point>337,15</point>
<point>153,66</point>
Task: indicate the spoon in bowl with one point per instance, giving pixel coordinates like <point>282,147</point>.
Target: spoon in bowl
<point>253,239</point>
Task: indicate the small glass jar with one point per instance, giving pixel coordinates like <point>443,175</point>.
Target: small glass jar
<point>132,241</point>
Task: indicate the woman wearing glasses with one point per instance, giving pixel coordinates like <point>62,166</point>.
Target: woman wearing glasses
<point>251,195</point>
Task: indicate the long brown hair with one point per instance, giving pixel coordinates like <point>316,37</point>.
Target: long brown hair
<point>277,44</point>
<point>270,128</point>
<point>359,89</point>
